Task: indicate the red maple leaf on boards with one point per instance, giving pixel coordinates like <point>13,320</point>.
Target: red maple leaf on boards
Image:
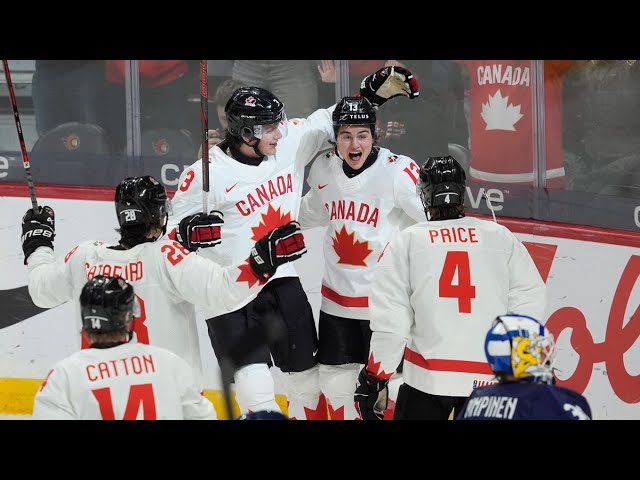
<point>349,250</point>
<point>270,220</point>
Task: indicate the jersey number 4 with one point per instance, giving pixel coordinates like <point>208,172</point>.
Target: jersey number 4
<point>139,395</point>
<point>463,290</point>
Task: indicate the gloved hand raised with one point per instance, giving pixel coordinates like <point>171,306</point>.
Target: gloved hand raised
<point>371,397</point>
<point>389,82</point>
<point>38,230</point>
<point>200,230</point>
<point>281,245</point>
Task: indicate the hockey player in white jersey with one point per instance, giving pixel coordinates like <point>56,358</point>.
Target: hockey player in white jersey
<point>257,177</point>
<point>116,379</point>
<point>168,278</point>
<point>433,297</point>
<point>365,195</point>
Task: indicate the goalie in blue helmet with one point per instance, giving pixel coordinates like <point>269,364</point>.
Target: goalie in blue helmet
<point>521,353</point>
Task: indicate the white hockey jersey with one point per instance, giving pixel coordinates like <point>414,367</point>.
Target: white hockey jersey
<point>436,291</point>
<point>363,214</point>
<point>253,199</point>
<point>128,382</point>
<point>167,280</point>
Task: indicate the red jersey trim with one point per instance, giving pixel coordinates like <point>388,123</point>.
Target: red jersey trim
<point>459,366</point>
<point>342,300</point>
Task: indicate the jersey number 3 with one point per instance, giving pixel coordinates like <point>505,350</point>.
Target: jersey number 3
<point>463,291</point>
<point>139,395</point>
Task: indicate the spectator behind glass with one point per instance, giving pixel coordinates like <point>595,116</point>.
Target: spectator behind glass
<point>222,95</point>
<point>602,127</point>
<point>501,108</point>
<point>292,81</point>
<point>164,90</point>
<point>357,70</point>
<point>66,91</point>
<point>426,127</point>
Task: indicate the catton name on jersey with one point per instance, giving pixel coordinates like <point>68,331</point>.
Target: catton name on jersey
<point>130,272</point>
<point>356,211</point>
<point>134,365</point>
<point>264,194</point>
<point>453,235</point>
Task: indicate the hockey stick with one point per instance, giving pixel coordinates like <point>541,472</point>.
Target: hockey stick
<point>25,157</point>
<point>204,121</point>
<point>270,330</point>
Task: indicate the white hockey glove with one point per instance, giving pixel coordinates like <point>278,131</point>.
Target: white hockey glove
<point>200,230</point>
<point>281,245</point>
<point>389,82</point>
<point>371,397</point>
<point>38,230</point>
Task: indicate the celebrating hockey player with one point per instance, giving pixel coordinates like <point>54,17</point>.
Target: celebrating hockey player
<point>115,379</point>
<point>436,286</point>
<point>365,195</point>
<point>169,279</point>
<point>257,176</point>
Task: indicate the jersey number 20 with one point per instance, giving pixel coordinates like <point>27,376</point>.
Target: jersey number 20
<point>463,291</point>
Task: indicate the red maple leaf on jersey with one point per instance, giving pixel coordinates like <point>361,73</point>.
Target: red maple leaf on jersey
<point>247,275</point>
<point>337,414</point>
<point>349,250</point>
<point>270,220</point>
<point>319,413</point>
<point>373,368</point>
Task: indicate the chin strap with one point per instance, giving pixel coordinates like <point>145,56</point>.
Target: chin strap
<point>242,158</point>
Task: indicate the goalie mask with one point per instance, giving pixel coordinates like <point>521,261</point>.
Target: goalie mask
<point>520,346</point>
<point>107,304</point>
<point>253,111</point>
<point>441,182</point>
<point>142,201</point>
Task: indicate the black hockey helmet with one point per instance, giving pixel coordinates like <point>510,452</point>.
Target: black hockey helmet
<point>354,111</point>
<point>107,304</point>
<point>249,108</point>
<point>441,182</point>
<point>141,201</point>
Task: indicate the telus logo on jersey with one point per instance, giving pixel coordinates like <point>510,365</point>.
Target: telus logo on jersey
<point>343,210</point>
<point>264,194</point>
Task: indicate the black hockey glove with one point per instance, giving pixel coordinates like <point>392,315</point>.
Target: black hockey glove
<point>371,397</point>
<point>200,230</point>
<point>38,230</point>
<point>389,82</point>
<point>281,245</point>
